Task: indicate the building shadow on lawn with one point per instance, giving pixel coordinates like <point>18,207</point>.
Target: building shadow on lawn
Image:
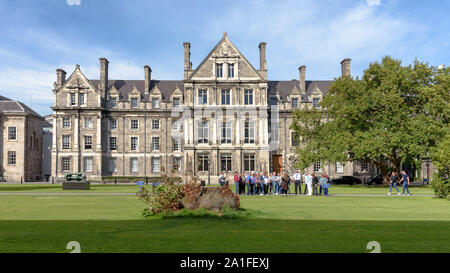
<point>224,235</point>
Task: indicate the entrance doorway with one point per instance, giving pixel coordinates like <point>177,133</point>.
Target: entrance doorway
<point>277,163</point>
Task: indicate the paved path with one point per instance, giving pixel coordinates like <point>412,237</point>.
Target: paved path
<point>127,193</point>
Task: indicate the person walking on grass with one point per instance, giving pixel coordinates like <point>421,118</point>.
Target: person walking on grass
<point>393,183</point>
<point>315,184</point>
<point>297,181</point>
<point>405,180</point>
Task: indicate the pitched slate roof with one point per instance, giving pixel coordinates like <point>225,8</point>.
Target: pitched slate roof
<point>284,88</point>
<point>126,86</point>
<point>167,87</point>
<point>12,106</point>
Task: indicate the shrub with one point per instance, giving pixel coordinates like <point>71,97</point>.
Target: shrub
<point>441,186</point>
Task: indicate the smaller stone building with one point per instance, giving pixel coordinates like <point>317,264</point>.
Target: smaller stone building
<point>20,142</point>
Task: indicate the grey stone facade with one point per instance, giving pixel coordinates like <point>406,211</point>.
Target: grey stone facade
<point>224,115</point>
<point>20,142</point>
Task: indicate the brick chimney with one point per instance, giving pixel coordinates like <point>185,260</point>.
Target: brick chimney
<point>187,58</point>
<point>103,75</point>
<point>346,67</point>
<point>262,56</point>
<point>148,78</point>
<point>302,77</point>
<point>60,77</point>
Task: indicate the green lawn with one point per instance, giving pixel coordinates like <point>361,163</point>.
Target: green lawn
<point>46,223</point>
<point>109,188</point>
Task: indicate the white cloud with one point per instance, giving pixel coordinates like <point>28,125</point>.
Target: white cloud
<point>318,37</point>
<point>373,2</point>
<point>73,2</point>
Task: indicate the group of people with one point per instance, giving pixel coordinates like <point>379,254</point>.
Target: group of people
<point>278,183</point>
<point>404,180</point>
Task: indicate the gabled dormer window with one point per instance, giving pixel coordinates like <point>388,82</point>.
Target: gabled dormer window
<point>219,70</point>
<point>294,103</point>
<point>316,102</point>
<point>112,102</point>
<point>155,103</point>
<point>176,102</point>
<point>134,103</point>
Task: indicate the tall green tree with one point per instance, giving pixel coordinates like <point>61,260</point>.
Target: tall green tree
<point>392,112</point>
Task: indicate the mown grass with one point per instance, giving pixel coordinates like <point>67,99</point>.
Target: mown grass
<point>272,224</point>
<point>111,188</point>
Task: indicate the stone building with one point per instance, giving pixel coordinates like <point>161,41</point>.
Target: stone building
<point>20,142</point>
<point>225,115</point>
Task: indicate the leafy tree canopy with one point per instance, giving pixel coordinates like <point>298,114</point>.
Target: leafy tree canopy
<point>392,112</point>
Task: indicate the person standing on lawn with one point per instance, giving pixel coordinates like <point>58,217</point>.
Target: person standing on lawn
<point>222,179</point>
<point>275,179</point>
<point>270,185</point>
<point>248,181</point>
<point>266,183</point>
<point>284,184</point>
<point>297,181</point>
<point>322,182</point>
<point>393,183</point>
<point>308,181</point>
<point>315,184</point>
<point>236,183</point>
<point>405,180</point>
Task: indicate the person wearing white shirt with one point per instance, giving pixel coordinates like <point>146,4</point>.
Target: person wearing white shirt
<point>308,180</point>
<point>297,180</point>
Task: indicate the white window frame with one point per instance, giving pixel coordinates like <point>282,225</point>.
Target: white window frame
<point>156,168</point>
<point>134,165</point>
<point>65,164</point>
<point>156,145</point>
<point>12,135</point>
<point>66,122</point>
<point>86,142</point>
<point>249,97</point>
<point>226,130</point>
<point>155,124</point>
<point>63,142</point>
<point>12,158</point>
<point>134,126</point>
<point>134,102</point>
<point>88,125</point>
<point>88,166</point>
<point>134,146</point>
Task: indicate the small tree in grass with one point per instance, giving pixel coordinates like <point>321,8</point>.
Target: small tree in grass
<point>391,113</point>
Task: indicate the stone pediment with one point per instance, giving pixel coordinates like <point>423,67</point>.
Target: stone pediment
<point>113,91</point>
<point>225,51</point>
<point>77,80</point>
<point>155,91</point>
<point>177,91</point>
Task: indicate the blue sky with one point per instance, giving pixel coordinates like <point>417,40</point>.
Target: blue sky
<point>41,35</point>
